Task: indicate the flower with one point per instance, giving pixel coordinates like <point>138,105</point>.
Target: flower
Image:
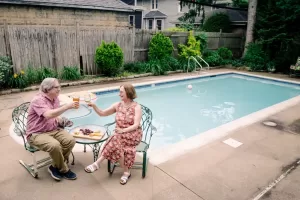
<point>22,72</point>
<point>15,75</point>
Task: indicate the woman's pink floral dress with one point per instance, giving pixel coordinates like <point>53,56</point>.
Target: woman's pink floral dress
<point>126,142</point>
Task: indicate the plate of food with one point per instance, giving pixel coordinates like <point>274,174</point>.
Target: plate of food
<point>86,133</point>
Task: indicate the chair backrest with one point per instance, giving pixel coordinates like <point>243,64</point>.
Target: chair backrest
<point>146,124</point>
<point>19,117</point>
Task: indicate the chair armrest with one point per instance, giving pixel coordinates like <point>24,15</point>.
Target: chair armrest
<point>154,129</point>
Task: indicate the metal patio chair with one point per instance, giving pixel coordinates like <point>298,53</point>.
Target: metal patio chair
<point>148,131</point>
<point>19,117</point>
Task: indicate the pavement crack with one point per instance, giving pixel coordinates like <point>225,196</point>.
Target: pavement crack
<point>180,182</point>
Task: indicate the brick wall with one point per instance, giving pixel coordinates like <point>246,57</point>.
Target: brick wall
<point>36,15</point>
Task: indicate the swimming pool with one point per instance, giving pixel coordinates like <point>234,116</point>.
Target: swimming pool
<point>180,113</point>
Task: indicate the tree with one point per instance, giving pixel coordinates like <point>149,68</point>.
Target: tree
<point>251,22</point>
<point>277,29</point>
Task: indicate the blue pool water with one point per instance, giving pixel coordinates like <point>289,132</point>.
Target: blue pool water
<point>180,113</point>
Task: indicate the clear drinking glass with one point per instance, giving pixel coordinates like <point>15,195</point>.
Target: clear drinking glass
<point>87,99</point>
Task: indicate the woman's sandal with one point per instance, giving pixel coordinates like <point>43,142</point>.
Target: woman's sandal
<point>91,168</point>
<point>125,178</point>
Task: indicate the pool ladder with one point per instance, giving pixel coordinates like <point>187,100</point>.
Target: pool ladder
<point>198,64</point>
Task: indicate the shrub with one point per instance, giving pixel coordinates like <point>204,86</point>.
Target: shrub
<point>6,59</point>
<point>213,58</point>
<point>157,67</point>
<point>45,72</point>
<point>109,58</point>
<point>203,41</point>
<point>5,73</point>
<point>255,57</point>
<point>170,63</point>
<point>18,80</point>
<point>191,49</point>
<point>160,47</point>
<point>225,53</point>
<point>237,63</point>
<point>216,22</point>
<point>31,75</point>
<point>70,73</point>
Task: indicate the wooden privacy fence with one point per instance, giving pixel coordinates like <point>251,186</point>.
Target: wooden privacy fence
<point>60,46</point>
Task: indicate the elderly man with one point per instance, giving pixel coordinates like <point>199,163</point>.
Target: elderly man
<point>43,131</point>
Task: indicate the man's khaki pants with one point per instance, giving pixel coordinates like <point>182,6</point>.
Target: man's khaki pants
<point>58,143</point>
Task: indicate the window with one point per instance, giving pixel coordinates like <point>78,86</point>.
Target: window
<point>154,4</point>
<point>150,24</point>
<point>159,24</point>
<point>131,20</point>
<point>179,7</point>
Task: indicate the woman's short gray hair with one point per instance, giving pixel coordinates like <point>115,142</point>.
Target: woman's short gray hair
<point>47,84</point>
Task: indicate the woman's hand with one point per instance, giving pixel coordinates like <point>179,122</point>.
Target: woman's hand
<point>91,105</point>
<point>119,131</point>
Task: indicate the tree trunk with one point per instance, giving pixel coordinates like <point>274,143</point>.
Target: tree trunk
<point>251,22</point>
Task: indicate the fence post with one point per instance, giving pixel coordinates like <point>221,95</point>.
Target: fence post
<point>6,36</point>
<point>78,42</point>
<point>220,39</point>
<point>133,44</point>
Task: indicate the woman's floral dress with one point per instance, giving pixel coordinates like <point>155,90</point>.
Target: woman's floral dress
<point>123,143</point>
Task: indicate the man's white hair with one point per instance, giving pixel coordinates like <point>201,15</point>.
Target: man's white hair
<point>47,84</point>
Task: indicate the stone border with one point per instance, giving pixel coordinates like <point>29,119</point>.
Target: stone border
<point>92,81</point>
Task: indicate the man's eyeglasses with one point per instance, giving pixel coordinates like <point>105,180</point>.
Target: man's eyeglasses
<point>57,87</point>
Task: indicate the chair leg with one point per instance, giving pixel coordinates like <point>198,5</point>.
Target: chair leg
<point>35,168</point>
<point>29,169</point>
<point>110,167</point>
<point>84,148</point>
<point>144,164</point>
<point>73,162</point>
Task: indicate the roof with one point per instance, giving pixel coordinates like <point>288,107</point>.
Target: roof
<point>115,5</point>
<point>155,14</point>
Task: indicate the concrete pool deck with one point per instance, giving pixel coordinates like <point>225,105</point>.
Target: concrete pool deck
<point>215,171</point>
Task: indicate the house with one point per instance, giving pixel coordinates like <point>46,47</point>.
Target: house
<point>99,13</point>
<point>163,14</point>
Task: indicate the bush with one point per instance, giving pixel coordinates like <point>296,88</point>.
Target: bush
<point>18,80</point>
<point>225,53</point>
<point>31,75</point>
<point>109,58</point>
<point>191,49</point>
<point>160,47</point>
<point>45,72</point>
<point>157,67</point>
<point>170,63</point>
<point>216,22</point>
<point>70,73</point>
<point>5,73</point>
<point>203,41</point>
<point>213,58</point>
<point>237,63</point>
<point>255,57</point>
<point>135,67</point>
<point>6,59</point>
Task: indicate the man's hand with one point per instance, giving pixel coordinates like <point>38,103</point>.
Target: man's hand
<point>72,105</point>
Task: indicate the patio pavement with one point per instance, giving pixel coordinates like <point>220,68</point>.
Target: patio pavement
<point>213,172</point>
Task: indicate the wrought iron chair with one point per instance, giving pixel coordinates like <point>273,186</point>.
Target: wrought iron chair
<point>148,131</point>
<point>19,117</point>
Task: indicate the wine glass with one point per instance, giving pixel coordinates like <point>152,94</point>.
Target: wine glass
<point>87,99</point>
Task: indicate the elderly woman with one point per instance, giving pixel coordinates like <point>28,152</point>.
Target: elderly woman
<point>121,147</point>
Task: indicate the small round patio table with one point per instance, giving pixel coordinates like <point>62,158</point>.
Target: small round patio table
<point>94,144</point>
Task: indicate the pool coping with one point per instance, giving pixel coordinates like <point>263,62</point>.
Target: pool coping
<point>188,77</point>
<point>172,151</point>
